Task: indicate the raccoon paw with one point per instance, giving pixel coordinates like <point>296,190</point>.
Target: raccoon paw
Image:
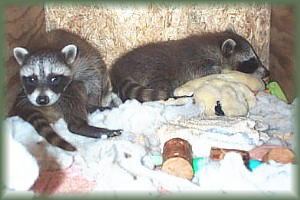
<point>113,133</point>
<point>91,108</point>
<point>104,108</point>
<point>70,148</point>
<point>66,146</point>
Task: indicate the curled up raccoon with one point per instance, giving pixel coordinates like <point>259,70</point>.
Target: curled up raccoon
<point>62,75</point>
<point>153,71</point>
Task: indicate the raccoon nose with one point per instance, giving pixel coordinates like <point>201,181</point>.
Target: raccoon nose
<point>42,100</point>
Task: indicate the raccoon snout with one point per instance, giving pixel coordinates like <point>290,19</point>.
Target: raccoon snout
<point>262,73</point>
<point>266,76</point>
<point>266,73</point>
<point>42,100</point>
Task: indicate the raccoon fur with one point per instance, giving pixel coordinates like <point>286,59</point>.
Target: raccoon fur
<point>153,71</point>
<point>61,75</point>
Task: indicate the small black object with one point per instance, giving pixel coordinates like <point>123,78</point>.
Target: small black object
<point>184,96</point>
<point>218,109</point>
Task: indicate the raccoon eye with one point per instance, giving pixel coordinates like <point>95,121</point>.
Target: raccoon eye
<point>31,79</point>
<point>54,79</point>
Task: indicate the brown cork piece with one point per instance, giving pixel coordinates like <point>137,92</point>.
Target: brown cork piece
<point>177,158</point>
<point>281,155</point>
<point>219,153</point>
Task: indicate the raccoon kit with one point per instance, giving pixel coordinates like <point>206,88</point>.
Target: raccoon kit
<point>62,75</point>
<point>153,71</point>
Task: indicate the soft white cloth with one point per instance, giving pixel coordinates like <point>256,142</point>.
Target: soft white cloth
<point>21,168</point>
<point>275,117</point>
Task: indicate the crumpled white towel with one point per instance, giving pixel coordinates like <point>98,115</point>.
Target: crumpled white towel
<point>231,175</point>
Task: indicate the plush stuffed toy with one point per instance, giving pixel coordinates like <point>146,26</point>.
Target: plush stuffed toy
<point>229,93</point>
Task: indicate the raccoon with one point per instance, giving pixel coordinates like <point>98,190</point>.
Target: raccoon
<point>61,75</point>
<point>153,71</point>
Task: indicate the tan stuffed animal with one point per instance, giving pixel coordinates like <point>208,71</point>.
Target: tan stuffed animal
<point>229,93</point>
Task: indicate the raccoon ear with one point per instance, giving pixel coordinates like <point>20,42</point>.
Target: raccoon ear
<point>70,53</point>
<point>228,47</point>
<point>230,28</point>
<point>20,54</point>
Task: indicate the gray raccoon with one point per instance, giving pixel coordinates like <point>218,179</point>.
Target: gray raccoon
<point>153,71</point>
<point>62,75</point>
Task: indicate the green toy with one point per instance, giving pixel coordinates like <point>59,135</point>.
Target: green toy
<point>157,159</point>
<point>197,164</point>
<point>254,164</point>
<point>275,90</point>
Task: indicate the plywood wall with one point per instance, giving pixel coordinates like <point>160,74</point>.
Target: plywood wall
<point>115,29</point>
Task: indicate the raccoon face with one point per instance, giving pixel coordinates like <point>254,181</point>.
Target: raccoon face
<point>239,55</point>
<point>45,75</point>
